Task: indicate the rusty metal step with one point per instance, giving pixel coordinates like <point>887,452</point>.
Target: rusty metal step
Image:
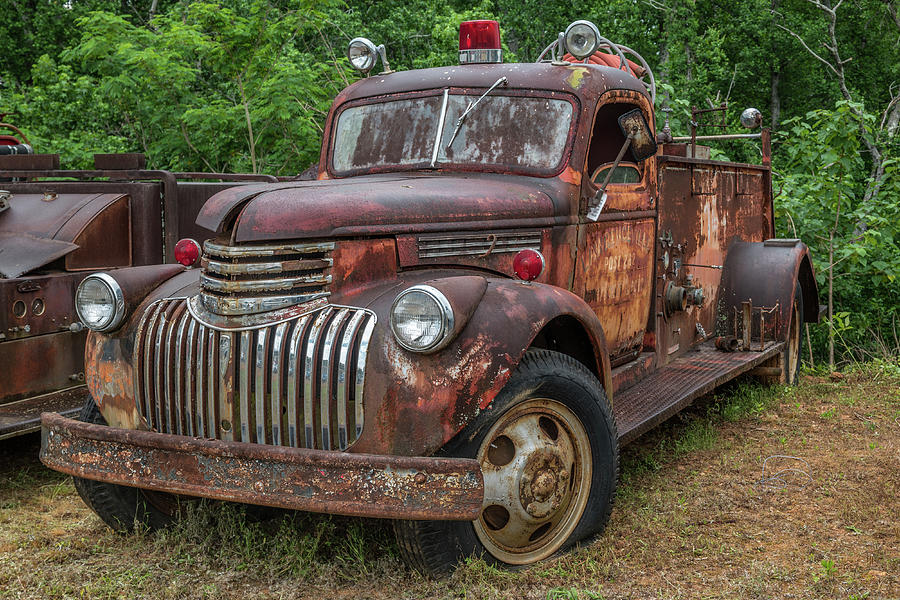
<point>648,403</point>
<point>24,416</point>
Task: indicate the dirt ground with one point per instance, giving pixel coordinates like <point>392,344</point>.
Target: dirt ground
<point>753,493</point>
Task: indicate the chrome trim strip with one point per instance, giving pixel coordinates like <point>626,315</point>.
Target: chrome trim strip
<point>226,388</point>
<point>325,383</point>
<point>201,371</point>
<point>261,285</point>
<point>259,390</point>
<point>189,377</point>
<point>178,402</point>
<point>343,384</point>
<point>246,306</point>
<point>148,380</point>
<point>359,388</point>
<point>244,384</point>
<point>169,403</point>
<point>210,247</point>
<point>139,380</point>
<point>308,375</point>
<point>161,398</point>
<point>260,268</point>
<point>212,347</point>
<point>275,386</point>
<point>292,370</point>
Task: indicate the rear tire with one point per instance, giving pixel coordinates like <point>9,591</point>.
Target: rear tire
<point>121,507</point>
<point>548,450</point>
<point>789,359</point>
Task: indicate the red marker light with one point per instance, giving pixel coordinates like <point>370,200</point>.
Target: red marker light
<point>528,264</point>
<point>187,252</point>
<point>479,42</point>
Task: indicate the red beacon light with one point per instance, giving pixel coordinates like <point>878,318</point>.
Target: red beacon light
<point>479,42</point>
<point>187,252</point>
<point>528,264</point>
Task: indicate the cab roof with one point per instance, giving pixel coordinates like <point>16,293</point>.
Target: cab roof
<point>583,80</point>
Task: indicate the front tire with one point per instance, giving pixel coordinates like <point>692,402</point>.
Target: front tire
<point>122,507</point>
<point>548,450</point>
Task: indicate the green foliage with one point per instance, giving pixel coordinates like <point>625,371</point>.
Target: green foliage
<point>822,199</point>
<point>245,85</point>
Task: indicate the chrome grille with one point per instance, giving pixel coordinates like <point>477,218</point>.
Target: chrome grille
<point>477,244</point>
<point>297,383</point>
<point>240,280</point>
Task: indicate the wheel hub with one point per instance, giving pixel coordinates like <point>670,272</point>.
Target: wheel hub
<point>529,459</point>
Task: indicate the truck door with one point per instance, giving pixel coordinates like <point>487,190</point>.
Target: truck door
<point>614,265</point>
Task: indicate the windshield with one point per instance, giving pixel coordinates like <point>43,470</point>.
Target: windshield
<point>503,132</point>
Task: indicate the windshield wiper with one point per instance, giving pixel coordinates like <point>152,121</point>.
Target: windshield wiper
<point>471,107</point>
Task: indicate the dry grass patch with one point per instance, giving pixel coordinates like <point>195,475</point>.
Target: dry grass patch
<point>696,517</point>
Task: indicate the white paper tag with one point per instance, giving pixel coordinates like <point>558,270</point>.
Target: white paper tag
<point>594,213</point>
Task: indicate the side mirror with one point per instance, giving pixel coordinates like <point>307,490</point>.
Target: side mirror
<point>633,123</point>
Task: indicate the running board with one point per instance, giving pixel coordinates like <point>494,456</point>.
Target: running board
<point>654,399</point>
<point>24,416</point>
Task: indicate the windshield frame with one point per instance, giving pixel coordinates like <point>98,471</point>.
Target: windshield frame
<point>471,92</point>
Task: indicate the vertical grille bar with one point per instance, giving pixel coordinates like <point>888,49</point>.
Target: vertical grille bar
<point>177,402</point>
<point>139,375</point>
<point>201,371</point>
<point>309,373</point>
<point>343,383</point>
<point>226,386</point>
<point>149,365</point>
<point>361,373</point>
<point>293,368</point>
<point>244,382</point>
<point>260,388</point>
<point>325,385</point>
<point>211,378</point>
<point>277,358</point>
<point>170,379</point>
<point>160,372</point>
<point>189,377</point>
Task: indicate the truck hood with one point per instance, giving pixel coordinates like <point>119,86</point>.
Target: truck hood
<point>376,205</point>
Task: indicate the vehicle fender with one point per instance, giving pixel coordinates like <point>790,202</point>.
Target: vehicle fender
<point>108,359</point>
<point>416,403</point>
<point>767,273</point>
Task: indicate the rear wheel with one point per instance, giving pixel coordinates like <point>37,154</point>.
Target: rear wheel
<point>122,507</point>
<point>789,359</point>
<point>548,451</point>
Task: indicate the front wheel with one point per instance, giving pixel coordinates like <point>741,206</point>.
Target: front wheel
<point>548,452</point>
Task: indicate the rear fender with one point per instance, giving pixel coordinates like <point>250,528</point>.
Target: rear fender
<point>767,273</point>
<point>416,403</point>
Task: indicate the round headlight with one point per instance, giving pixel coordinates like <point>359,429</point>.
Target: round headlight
<point>362,54</point>
<point>582,39</point>
<point>99,302</point>
<point>421,318</point>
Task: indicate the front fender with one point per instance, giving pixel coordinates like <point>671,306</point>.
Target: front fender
<point>416,403</point>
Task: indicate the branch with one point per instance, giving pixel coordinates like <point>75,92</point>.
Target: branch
<point>191,146</point>
<point>808,49</point>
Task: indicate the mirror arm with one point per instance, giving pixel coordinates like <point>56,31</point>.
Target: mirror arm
<point>599,199</point>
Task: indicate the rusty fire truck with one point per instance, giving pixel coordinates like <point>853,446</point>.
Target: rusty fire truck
<point>499,277</point>
<point>58,226</point>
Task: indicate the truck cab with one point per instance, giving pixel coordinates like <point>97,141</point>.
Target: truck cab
<point>500,275</point>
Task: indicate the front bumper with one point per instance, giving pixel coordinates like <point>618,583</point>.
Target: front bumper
<point>342,483</point>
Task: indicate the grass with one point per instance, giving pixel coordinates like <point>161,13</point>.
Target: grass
<point>695,518</point>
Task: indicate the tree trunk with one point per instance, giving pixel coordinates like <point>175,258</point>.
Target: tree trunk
<point>831,302</point>
<point>776,98</point>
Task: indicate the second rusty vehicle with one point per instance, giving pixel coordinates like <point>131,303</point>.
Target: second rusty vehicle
<point>499,278</point>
